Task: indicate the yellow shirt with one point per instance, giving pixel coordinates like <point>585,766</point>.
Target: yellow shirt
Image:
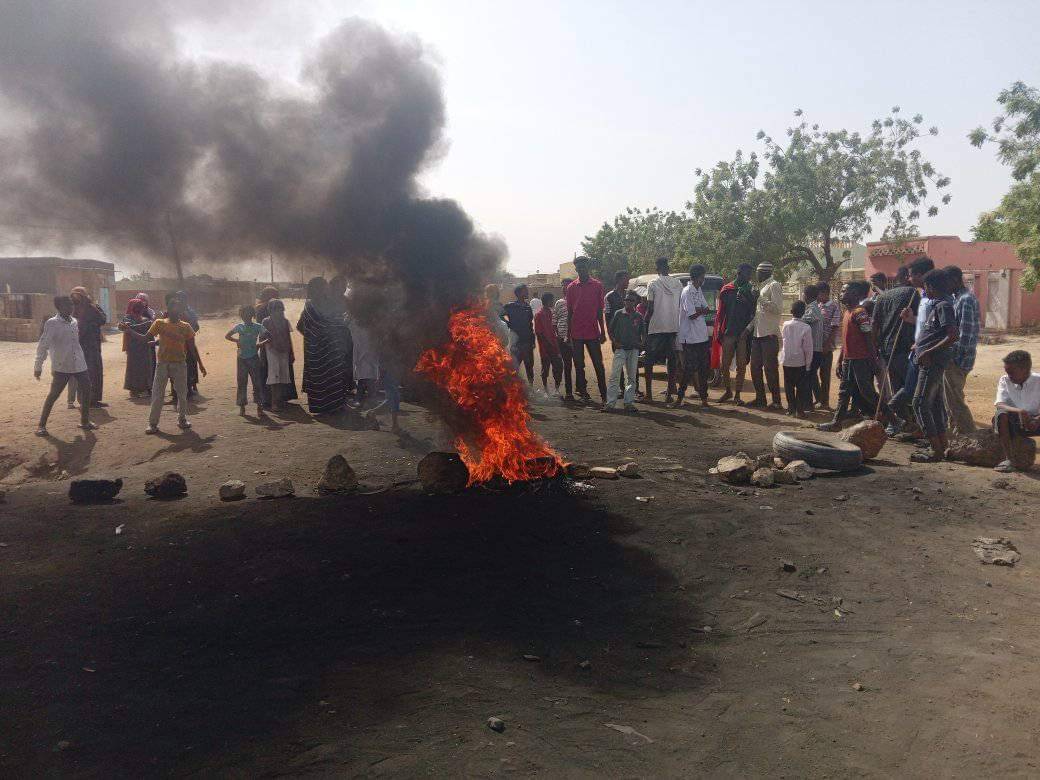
<point>173,339</point>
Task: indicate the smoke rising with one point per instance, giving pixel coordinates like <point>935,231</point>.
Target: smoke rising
<point>109,127</point>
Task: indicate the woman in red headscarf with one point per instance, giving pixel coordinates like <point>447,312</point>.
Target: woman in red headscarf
<point>140,356</point>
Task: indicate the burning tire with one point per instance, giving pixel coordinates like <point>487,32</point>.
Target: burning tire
<point>818,450</point>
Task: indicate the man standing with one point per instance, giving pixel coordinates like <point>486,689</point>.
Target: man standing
<point>915,320</point>
<point>894,337</point>
<point>586,328</point>
<point>831,335</point>
<point>60,338</point>
<point>962,353</point>
<point>560,318</point>
<point>765,342</point>
<point>613,303</point>
<point>625,329</point>
<point>176,341</point>
<point>90,317</point>
<point>520,318</point>
<point>662,316</point>
<point>693,336</point>
<point>736,310</point>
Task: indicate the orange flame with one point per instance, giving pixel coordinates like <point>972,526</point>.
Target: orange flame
<point>478,374</point>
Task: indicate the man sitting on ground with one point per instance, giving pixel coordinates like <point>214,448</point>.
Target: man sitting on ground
<point>1017,405</point>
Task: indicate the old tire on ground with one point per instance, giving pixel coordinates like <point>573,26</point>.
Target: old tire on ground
<point>818,450</point>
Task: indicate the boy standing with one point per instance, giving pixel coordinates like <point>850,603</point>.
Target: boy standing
<point>662,316</point>
<point>176,342</point>
<point>931,353</point>
<point>625,328</point>
<point>560,322</point>
<point>548,344</point>
<point>586,327</point>
<point>693,336</point>
<point>796,356</point>
<point>249,368</point>
<point>518,315</point>
<point>1017,405</point>
<point>60,338</point>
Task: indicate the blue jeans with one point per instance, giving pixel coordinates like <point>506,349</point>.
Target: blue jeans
<point>899,403</point>
<point>628,359</point>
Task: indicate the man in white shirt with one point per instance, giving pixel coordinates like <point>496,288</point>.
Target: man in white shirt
<point>693,336</point>
<point>765,341</point>
<point>662,316</point>
<point>1017,408</point>
<point>60,338</point>
<point>796,357</point>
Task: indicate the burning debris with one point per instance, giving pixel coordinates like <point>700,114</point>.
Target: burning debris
<point>492,419</point>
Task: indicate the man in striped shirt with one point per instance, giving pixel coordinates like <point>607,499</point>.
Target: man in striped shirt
<point>559,316</point>
<point>962,353</point>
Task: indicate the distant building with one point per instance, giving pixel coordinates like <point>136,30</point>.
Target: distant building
<point>992,270</point>
<point>28,286</point>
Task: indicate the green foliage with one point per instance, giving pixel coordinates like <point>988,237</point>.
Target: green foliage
<point>1017,221</point>
<point>1016,132</point>
<point>634,240</point>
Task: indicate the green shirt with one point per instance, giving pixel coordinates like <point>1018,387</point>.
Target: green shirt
<point>247,338</point>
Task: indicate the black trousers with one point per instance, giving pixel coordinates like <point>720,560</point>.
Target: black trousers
<point>596,355</point>
<point>825,367</point>
<point>797,388</point>
<point>523,354</point>
<point>567,356</point>
<point>696,359</point>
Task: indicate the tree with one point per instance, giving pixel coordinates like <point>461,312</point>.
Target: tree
<point>828,186</point>
<point>1016,134</point>
<point>634,240</point>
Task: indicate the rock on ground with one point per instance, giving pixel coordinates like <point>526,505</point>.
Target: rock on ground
<point>233,490</point>
<point>868,435</point>
<point>338,477</point>
<point>628,470</point>
<point>735,469</point>
<point>90,491</point>
<point>783,477</point>
<point>998,552</point>
<point>982,448</point>
<point>603,472</point>
<point>762,478</point>
<point>443,472</point>
<point>279,488</point>
<point>764,461</point>
<point>800,469</point>
<point>577,470</point>
<point>169,485</point>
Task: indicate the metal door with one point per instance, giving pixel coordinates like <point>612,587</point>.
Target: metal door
<point>997,299</point>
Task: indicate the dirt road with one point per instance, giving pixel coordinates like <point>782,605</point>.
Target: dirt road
<point>375,634</point>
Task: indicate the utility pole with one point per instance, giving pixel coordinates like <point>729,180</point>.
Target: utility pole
<point>270,256</point>
<point>173,244</point>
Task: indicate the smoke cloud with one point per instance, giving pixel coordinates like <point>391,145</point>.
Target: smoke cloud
<point>108,126</point>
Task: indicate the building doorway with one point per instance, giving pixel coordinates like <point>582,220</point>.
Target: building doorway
<point>997,300</point>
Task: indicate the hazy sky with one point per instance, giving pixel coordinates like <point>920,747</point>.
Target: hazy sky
<point>560,115</point>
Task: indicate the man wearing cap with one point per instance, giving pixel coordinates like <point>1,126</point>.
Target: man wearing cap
<point>765,341</point>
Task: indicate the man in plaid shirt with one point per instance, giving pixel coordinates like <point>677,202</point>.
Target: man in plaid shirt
<point>832,316</point>
<point>559,316</point>
<point>962,352</point>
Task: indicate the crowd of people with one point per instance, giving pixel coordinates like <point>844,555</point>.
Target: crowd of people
<point>905,348</point>
<point>342,369</point>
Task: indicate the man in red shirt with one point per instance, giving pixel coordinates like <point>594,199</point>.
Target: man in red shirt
<point>858,360</point>
<point>586,328</point>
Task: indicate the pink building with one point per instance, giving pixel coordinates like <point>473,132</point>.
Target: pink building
<point>992,270</point>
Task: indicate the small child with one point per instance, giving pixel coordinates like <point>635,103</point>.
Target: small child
<point>625,328</point>
<point>796,356</point>
<point>249,369</point>
<point>548,344</point>
<point>277,344</point>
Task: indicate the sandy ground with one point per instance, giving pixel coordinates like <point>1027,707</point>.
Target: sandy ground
<point>375,634</point>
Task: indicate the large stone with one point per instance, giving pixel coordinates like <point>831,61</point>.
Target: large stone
<point>764,461</point>
<point>94,491</point>
<point>577,470</point>
<point>233,490</point>
<point>338,477</point>
<point>603,472</point>
<point>735,469</point>
<point>762,478</point>
<point>443,472</point>
<point>800,469</point>
<point>782,477</point>
<point>169,485</point>
<point>278,488</point>
<point>868,435</point>
<point>982,448</point>
<point>628,470</point>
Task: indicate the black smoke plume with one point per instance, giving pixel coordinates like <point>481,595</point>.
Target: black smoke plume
<point>108,126</point>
